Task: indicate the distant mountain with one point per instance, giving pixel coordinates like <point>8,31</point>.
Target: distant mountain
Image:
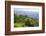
<point>34,15</point>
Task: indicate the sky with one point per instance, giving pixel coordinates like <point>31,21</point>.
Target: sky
<point>26,9</point>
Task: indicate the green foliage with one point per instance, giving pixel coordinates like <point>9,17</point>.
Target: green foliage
<point>24,21</point>
<point>28,23</point>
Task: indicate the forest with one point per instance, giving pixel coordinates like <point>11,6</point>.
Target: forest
<point>25,21</point>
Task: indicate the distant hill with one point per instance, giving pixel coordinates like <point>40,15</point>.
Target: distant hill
<point>34,15</point>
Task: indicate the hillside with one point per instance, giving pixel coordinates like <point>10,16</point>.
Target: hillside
<point>25,21</point>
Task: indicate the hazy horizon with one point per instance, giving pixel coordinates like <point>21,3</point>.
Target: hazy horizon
<point>27,11</point>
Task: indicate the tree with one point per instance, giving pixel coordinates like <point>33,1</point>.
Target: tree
<point>28,23</point>
<point>25,15</point>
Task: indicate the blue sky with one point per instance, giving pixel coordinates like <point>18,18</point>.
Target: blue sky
<point>26,9</point>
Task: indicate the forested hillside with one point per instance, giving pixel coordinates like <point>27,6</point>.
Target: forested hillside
<point>25,21</point>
